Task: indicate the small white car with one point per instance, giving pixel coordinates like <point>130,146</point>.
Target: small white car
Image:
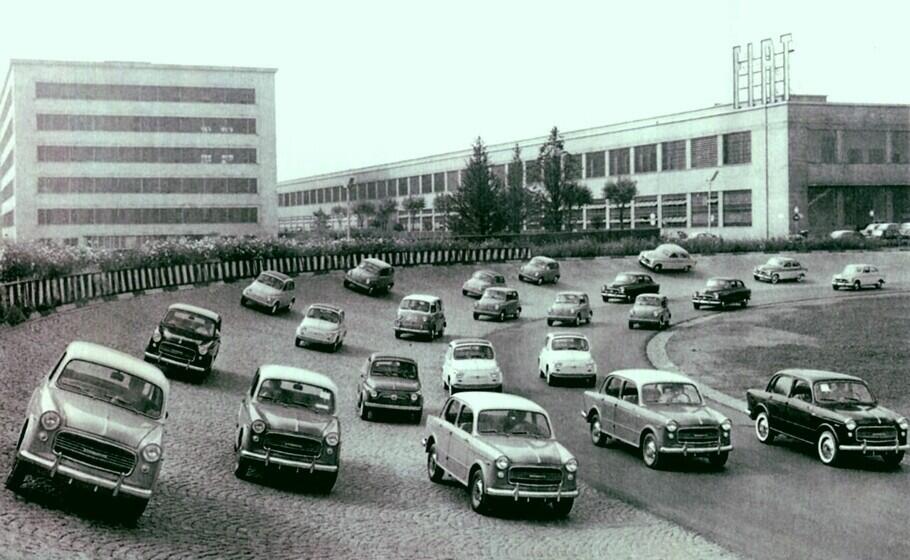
<point>667,256</point>
<point>322,324</point>
<point>567,355</point>
<point>858,276</point>
<point>470,365</point>
<point>272,290</point>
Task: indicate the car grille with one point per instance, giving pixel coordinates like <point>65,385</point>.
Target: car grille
<point>95,453</point>
<point>177,352</point>
<point>393,397</point>
<point>535,476</point>
<point>698,437</point>
<point>296,446</point>
<point>876,434</point>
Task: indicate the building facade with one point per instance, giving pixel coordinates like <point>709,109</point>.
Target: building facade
<point>115,153</point>
<point>750,172</point>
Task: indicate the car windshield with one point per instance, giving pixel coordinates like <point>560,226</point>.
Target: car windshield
<point>852,269</point>
<point>774,261</point>
<point>846,391</point>
<point>483,276</point>
<point>372,268</point>
<point>270,281</point>
<point>538,262</point>
<point>653,301</point>
<point>494,294</point>
<point>716,284</point>
<point>513,423</point>
<point>624,279</point>
<point>570,343</point>
<point>415,305</point>
<point>670,393</point>
<point>297,395</point>
<point>183,320</point>
<point>568,298</point>
<point>394,368</point>
<point>112,386</point>
<point>323,314</point>
<point>473,352</point>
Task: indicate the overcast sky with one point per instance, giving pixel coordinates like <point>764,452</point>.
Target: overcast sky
<point>363,83</point>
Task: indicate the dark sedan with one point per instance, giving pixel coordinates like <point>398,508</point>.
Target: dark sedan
<point>629,285</point>
<point>722,292</point>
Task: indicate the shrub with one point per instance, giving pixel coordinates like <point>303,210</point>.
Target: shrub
<point>15,315</point>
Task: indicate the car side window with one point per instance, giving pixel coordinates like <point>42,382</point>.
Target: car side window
<point>466,418</point>
<point>583,300</point>
<point>255,382</point>
<point>451,412</point>
<point>801,391</point>
<point>782,385</point>
<point>611,387</point>
<point>630,392</point>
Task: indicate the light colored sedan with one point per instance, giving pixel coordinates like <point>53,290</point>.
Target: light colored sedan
<point>480,281</point>
<point>322,324</point>
<point>667,256</point>
<point>858,276</point>
<point>566,355</point>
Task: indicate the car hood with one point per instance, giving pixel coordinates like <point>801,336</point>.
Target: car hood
<point>767,267</point>
<point>413,315</point>
<point>640,310</point>
<point>615,285</point>
<point>360,274</point>
<point>293,419</point>
<point>474,365</point>
<point>649,254</point>
<point>862,414</point>
<point>318,324</point>
<point>571,355</point>
<point>528,451</point>
<point>261,289</point>
<point>488,303</point>
<point>475,284</point>
<point>101,419</point>
<point>687,415</point>
<point>382,383</point>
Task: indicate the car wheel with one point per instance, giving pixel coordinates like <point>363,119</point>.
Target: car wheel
<point>371,291</point>
<point>132,510</point>
<point>598,437</point>
<point>324,482</point>
<point>880,284</point>
<point>464,292</point>
<point>540,281</point>
<point>744,303</point>
<point>688,268</point>
<point>775,278</point>
<point>592,382</point>
<point>650,452</point>
<point>893,460</point>
<point>578,320</point>
<point>857,285</point>
<point>719,460</point>
<point>241,467</point>
<point>801,277</point>
<point>562,508</point>
<point>631,324</point>
<point>363,410</point>
<point>416,417</point>
<point>346,283</point>
<point>605,298</point>
<point>502,316</point>
<point>337,346</point>
<point>476,316</point>
<point>480,502</point>
<point>434,471</point>
<point>662,323</point>
<point>16,475</point>
<point>549,377</point>
<point>827,448</point>
<point>244,301</point>
<point>658,267</point>
<point>397,333</point>
<point>763,428</point>
<point>834,287</point>
<point>549,322</point>
<point>298,343</point>
<point>274,309</point>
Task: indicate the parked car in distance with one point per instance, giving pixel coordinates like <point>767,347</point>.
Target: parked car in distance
<point>389,383</point>
<point>858,276</point>
<point>501,446</point>
<point>667,256</point>
<point>722,292</point>
<point>570,307</point>
<point>97,420</point>
<point>270,289</point>
<point>705,236</point>
<point>905,229</point>
<point>835,412</point>
<point>322,324</point>
<point>846,234</point>
<point>650,309</point>
<point>566,356</point>
<point>628,285</point>
<point>373,275</point>
<point>187,338</point>
<point>288,420</point>
<point>780,268</point>
<point>480,281</point>
<point>886,231</point>
<point>420,314</point>
<point>661,413</point>
<point>499,303</point>
<point>539,270</point>
<point>470,365</point>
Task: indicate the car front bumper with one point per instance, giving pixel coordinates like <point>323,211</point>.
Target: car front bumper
<point>696,451</point>
<point>489,312</point>
<point>875,448</point>
<point>428,329</point>
<point>58,467</point>
<point>318,338</point>
<point>401,407</point>
<point>612,293</point>
<point>519,492</point>
<point>702,300</point>
<point>653,320</point>
<point>260,300</point>
<point>158,358</point>
<point>496,387</point>
<point>764,275</point>
<point>268,459</point>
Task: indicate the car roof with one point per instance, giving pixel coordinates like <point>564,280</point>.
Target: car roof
<point>644,376</point>
<point>102,355</point>
<point>858,265</point>
<point>377,262</point>
<point>632,273</point>
<point>724,278</point>
<point>485,400</point>
<point>649,296</point>
<point>500,289</point>
<point>566,335</point>
<point>279,275</point>
<point>463,341</point>
<point>816,374</point>
<point>422,297</point>
<point>487,271</point>
<point>383,356</point>
<point>542,258</point>
<point>781,258</point>
<point>299,375</point>
<point>197,310</point>
<point>570,293</point>
<point>327,306</point>
<point>670,247</point>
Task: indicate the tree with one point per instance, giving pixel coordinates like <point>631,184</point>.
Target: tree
<point>576,196</point>
<point>620,192</point>
<point>443,206</point>
<point>559,171</point>
<point>385,211</point>
<point>477,205</point>
<point>320,220</point>
<point>339,212</point>
<point>363,210</point>
<point>518,201</point>
<point>413,205</point>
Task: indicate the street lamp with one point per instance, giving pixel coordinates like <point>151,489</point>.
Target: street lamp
<point>710,182</point>
<point>347,199</point>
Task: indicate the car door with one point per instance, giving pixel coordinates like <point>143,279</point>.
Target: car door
<point>585,304</point>
<point>865,276</point>
<point>447,365</point>
<point>776,403</point>
<point>610,391</point>
<point>625,416</point>
<point>444,433</point>
<point>800,416</point>
<point>460,443</point>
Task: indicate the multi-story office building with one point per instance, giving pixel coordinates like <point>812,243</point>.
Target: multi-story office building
<point>114,153</point>
<point>739,171</point>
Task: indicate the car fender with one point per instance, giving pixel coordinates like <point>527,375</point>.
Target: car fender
<point>829,426</point>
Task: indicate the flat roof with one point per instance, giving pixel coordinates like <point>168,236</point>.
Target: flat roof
<point>483,400</point>
<point>136,65</point>
<point>817,374</point>
<point>644,376</point>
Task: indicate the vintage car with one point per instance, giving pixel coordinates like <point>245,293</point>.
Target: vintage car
<point>722,292</point>
<point>662,413</point>
<point>705,236</point>
<point>835,412</point>
<point>288,420</point>
<point>480,281</point>
<point>650,309</point>
<point>499,303</point>
<point>566,356</point>
<point>373,275</point>
<point>272,290</point>
<point>470,365</point>
<point>780,268</point>
<point>96,420</point>
<point>322,324</point>
<point>880,230</point>
<point>188,338</point>
<point>420,314</point>
<point>846,234</point>
<point>905,229</point>
<point>539,270</point>
<point>570,307</point>
<point>501,447</point>
<point>858,276</point>
<point>667,256</point>
<point>627,285</point>
<point>389,383</point>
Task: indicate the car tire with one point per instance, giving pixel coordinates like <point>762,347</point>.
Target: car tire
<point>337,346</point>
<point>880,284</point>
<point>548,377</point>
<point>893,460</point>
<point>763,432</point>
<point>658,267</point>
<point>562,508</point>
<point>16,475</point>
<point>132,509</point>
<point>835,288</point>
<point>578,320</point>
<point>502,316</point>
<point>592,382</point>
<point>801,277</point>
<point>371,291</point>
<point>650,452</point>
<point>324,482</point>
<point>480,502</point>
<point>540,281</point>
<point>476,316</point>
<point>696,305</point>
<point>298,342</point>
<point>416,417</point>
<point>605,298</point>
<point>598,437</point>
<point>434,471</point>
<point>857,285</point>
<point>688,268</point>
<point>363,410</point>
<point>243,301</point>
<point>662,324</point>
<point>775,278</point>
<point>744,303</point>
<point>397,333</point>
<point>719,460</point>
<point>347,284</point>
<point>826,448</point>
<point>549,322</point>
<point>631,324</point>
<point>464,292</point>
<point>275,308</point>
<point>242,467</point>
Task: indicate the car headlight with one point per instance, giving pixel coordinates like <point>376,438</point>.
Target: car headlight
<point>572,465</point>
<point>621,290</point>
<point>331,439</point>
<point>151,453</point>
<point>459,375</point>
<point>204,348</point>
<point>672,426</point>
<point>558,365</point>
<point>369,280</point>
<point>902,422</point>
<point>726,425</point>
<point>495,306</point>
<point>415,396</point>
<point>656,313</point>
<point>502,463</point>
<point>156,336</point>
<point>51,420</point>
<point>373,393</point>
<point>851,425</point>
<point>258,426</point>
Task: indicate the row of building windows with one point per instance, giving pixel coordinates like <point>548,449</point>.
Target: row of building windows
<point>119,241</point>
<point>7,192</point>
<point>147,185</point>
<point>374,190</point>
<point>122,92</point>
<point>8,219</point>
<point>121,123</point>
<point>7,163</point>
<point>858,146</point>
<point>139,216</point>
<point>130,154</point>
